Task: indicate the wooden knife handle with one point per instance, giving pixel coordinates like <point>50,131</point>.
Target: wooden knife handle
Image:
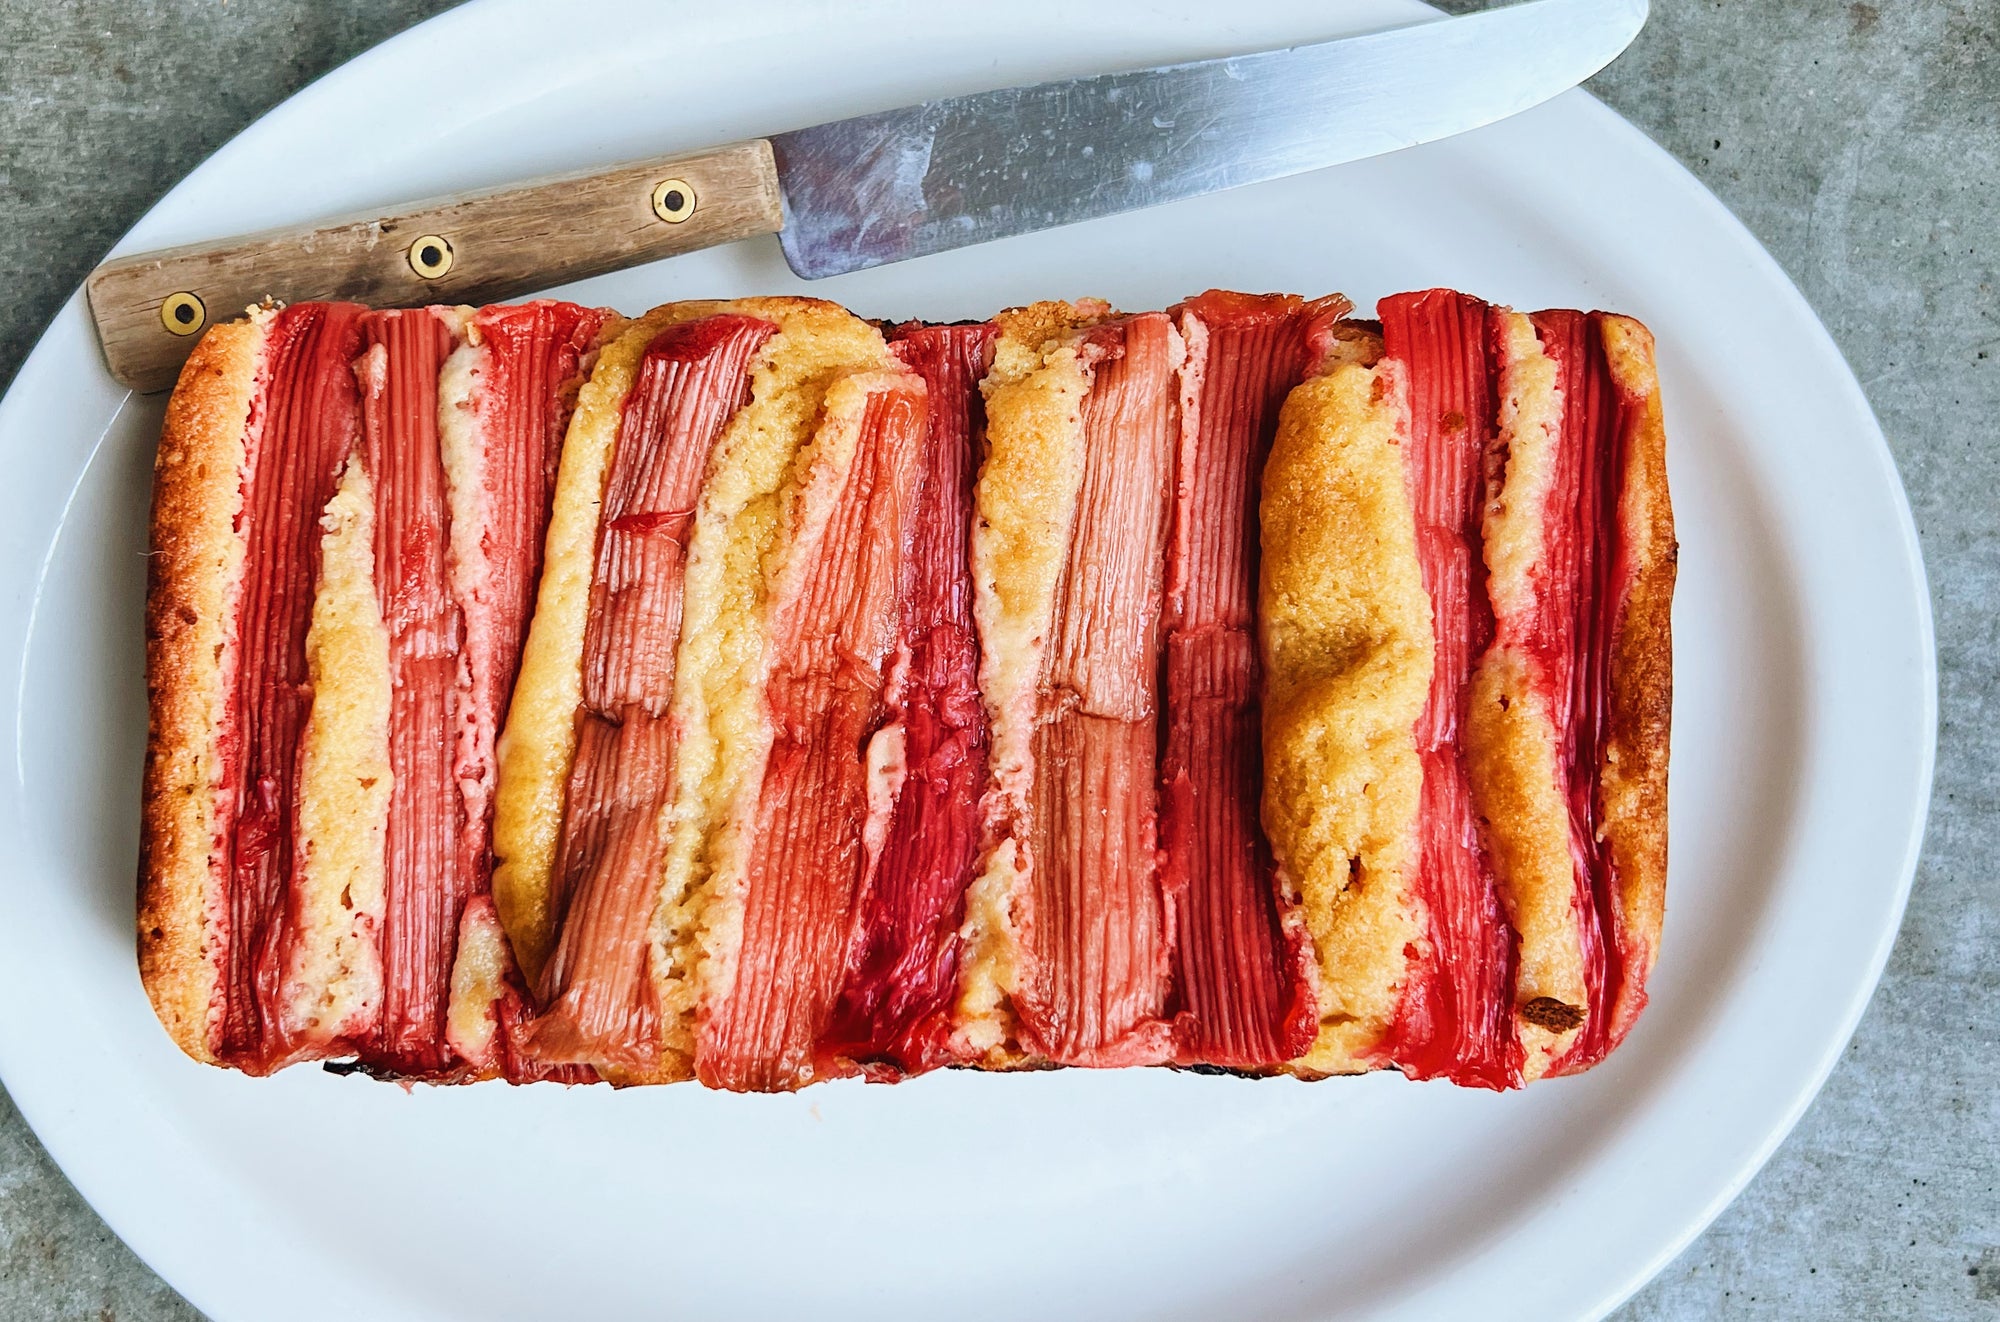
<point>468,248</point>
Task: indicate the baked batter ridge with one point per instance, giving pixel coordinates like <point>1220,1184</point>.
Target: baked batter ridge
<point>1344,632</point>
<point>1512,746</point>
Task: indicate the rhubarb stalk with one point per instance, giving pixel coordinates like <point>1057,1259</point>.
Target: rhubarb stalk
<point>304,424</point>
<point>1578,615</point>
<point>1455,1019</point>
<point>597,986</point>
<point>505,402</point>
<point>1098,930</point>
<point>426,881</point>
<point>894,1013</point>
<point>820,818</point>
<point>1243,995</point>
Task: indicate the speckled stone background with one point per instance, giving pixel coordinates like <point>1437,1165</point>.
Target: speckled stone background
<point>1860,141</point>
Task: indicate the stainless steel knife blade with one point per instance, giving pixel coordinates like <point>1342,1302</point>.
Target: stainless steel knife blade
<point>962,170</point>
<point>879,188</point>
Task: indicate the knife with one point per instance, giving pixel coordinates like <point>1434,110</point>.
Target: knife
<point>888,186</point>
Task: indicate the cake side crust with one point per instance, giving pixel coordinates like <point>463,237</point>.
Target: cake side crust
<point>1634,764</point>
<point>193,570</point>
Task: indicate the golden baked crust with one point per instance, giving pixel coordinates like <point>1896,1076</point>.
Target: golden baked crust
<point>1634,761</point>
<point>193,572</point>
<point>1345,630</point>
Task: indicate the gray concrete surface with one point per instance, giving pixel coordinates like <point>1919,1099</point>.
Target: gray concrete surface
<point>1861,142</point>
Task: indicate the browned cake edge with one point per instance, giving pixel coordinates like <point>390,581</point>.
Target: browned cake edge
<point>1634,765</point>
<point>193,568</point>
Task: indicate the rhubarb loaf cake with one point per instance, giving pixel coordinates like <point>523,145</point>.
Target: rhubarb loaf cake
<point>756,694</point>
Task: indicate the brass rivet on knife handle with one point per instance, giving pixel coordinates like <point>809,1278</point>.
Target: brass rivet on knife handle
<point>503,242</point>
<point>673,200</point>
<point>431,256</point>
<point>182,313</point>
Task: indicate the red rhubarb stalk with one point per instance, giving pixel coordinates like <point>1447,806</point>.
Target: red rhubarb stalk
<point>894,1012</point>
<point>305,422</point>
<point>1243,997</point>
<point>1455,1019</point>
<point>833,629</point>
<point>425,881</point>
<point>523,397</point>
<point>597,985</point>
<point>1573,633</point>
<point>1098,931</point>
